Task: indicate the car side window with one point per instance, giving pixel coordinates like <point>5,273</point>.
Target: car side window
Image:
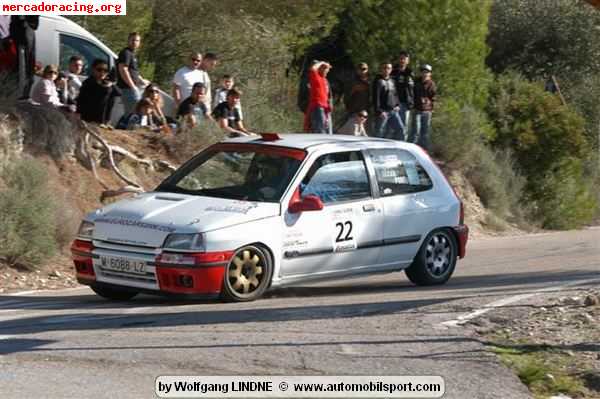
<point>337,177</point>
<point>71,45</point>
<point>398,172</point>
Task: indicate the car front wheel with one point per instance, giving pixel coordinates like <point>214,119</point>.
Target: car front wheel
<point>436,259</point>
<point>247,275</point>
<point>114,294</point>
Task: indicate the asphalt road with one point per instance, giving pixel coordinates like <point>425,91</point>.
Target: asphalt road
<point>72,344</point>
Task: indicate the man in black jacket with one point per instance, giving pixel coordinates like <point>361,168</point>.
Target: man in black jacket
<point>425,97</point>
<point>405,83</point>
<point>385,104</point>
<point>97,95</point>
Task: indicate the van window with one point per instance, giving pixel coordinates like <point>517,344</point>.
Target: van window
<point>399,172</point>
<point>337,177</point>
<point>71,45</point>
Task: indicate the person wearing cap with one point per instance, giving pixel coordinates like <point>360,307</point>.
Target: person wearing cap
<point>355,125</point>
<point>404,79</point>
<point>357,96</point>
<point>44,91</point>
<point>317,118</point>
<point>425,96</point>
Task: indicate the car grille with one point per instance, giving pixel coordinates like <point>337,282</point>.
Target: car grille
<point>148,255</point>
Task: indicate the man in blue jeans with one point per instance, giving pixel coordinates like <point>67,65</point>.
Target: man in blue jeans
<point>405,87</point>
<point>388,123</point>
<point>425,96</point>
<point>128,74</point>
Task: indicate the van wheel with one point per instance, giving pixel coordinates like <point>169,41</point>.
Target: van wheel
<point>435,261</point>
<point>114,293</point>
<point>247,275</point>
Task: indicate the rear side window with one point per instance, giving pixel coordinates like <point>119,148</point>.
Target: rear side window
<point>337,177</point>
<point>71,45</point>
<point>398,172</point>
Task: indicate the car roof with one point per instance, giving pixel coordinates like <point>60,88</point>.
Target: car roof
<point>311,142</point>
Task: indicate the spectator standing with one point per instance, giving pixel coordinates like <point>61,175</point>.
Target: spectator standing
<point>228,116</point>
<point>22,31</point>
<point>186,76</point>
<point>358,94</point>
<point>209,63</point>
<point>317,118</point>
<point>355,125</point>
<point>425,96</point>
<point>193,109</point>
<point>128,73</point>
<point>405,85</point>
<point>73,73</point>
<point>97,95</point>
<point>385,103</point>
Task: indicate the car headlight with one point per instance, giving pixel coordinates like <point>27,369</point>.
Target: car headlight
<point>190,242</point>
<point>86,229</point>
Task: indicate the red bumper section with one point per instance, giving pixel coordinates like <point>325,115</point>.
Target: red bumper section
<point>462,234</point>
<point>201,274</point>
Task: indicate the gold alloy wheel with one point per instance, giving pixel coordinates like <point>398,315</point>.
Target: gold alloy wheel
<point>245,272</point>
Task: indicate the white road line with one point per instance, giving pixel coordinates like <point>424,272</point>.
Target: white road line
<point>460,320</point>
<point>23,293</point>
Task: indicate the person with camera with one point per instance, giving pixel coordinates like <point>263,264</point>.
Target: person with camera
<point>97,95</point>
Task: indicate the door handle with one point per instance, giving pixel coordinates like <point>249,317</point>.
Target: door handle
<point>368,207</point>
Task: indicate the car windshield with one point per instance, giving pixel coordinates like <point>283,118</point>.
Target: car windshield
<point>254,174</point>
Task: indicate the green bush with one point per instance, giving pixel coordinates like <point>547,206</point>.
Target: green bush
<point>549,142</point>
<point>460,136</point>
<point>27,214</point>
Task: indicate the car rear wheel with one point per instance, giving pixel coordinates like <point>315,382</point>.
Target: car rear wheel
<point>114,293</point>
<point>247,275</point>
<point>435,261</point>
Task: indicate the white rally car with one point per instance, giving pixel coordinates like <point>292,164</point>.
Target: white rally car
<point>249,214</point>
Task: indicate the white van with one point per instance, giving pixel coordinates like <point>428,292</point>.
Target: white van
<point>58,38</point>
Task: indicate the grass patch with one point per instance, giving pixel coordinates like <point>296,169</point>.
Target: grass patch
<point>544,370</point>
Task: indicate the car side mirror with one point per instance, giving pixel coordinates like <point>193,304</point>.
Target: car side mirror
<point>308,203</point>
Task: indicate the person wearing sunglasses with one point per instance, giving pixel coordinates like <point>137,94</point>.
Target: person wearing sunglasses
<point>186,76</point>
<point>355,125</point>
<point>44,90</point>
<point>97,95</point>
<point>152,93</point>
<point>403,77</point>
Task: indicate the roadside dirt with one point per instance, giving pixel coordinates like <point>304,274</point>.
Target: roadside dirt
<point>552,342</point>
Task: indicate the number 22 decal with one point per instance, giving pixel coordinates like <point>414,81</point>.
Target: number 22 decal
<point>344,227</point>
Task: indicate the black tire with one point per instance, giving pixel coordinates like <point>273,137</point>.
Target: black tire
<point>248,274</point>
<point>436,259</point>
<point>114,294</point>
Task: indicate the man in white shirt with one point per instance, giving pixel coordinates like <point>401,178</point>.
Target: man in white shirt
<point>186,77</point>
<point>73,74</point>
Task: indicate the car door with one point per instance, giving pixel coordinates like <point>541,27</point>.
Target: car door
<point>402,184</point>
<point>343,237</point>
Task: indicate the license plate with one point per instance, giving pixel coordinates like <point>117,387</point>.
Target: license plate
<point>123,265</point>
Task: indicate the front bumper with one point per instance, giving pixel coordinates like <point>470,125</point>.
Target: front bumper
<point>462,235</point>
<point>205,278</point>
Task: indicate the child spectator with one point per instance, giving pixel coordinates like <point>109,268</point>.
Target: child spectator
<point>355,125</point>
<point>193,109</point>
<point>97,95</point>
<point>227,83</point>
<point>228,117</point>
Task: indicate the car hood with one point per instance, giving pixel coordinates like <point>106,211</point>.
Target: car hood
<point>148,219</point>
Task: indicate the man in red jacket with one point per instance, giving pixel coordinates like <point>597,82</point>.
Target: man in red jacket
<point>317,118</point>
